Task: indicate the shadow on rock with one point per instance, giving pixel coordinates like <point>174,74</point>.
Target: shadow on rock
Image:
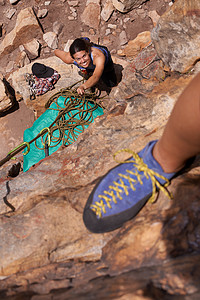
<point>10,93</point>
<point>102,86</point>
<point>118,70</point>
<point>181,234</point>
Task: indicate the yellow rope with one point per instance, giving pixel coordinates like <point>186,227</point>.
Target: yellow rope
<point>68,129</point>
<point>48,135</point>
<point>119,187</point>
<point>69,124</point>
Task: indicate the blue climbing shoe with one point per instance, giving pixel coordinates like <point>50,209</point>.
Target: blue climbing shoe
<point>124,190</point>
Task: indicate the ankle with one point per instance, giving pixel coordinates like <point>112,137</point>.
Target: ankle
<point>167,161</point>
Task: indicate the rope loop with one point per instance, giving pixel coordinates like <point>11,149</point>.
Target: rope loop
<point>48,134</point>
<point>28,147</point>
<point>19,146</point>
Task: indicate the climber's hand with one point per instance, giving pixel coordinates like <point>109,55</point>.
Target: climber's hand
<point>81,90</point>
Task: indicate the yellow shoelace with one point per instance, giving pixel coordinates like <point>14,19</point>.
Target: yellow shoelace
<point>99,207</point>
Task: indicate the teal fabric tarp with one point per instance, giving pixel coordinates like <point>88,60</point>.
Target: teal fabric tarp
<point>47,118</point>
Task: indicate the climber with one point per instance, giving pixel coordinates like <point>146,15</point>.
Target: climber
<point>94,61</point>
<point>125,189</point>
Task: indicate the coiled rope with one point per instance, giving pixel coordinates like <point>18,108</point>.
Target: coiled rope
<point>71,120</point>
<point>68,129</point>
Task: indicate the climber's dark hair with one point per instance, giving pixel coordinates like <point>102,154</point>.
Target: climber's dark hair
<point>79,44</point>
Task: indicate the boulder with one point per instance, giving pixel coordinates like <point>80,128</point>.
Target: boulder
<point>26,28</point>
<point>91,15</point>
<point>126,5</point>
<point>176,37</point>
<point>51,39</point>
<point>135,46</point>
<point>42,13</point>
<point>32,49</point>
<point>22,59</point>
<point>107,10</point>
<point>13,1</point>
<point>10,13</point>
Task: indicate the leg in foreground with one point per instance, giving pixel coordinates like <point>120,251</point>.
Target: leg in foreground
<point>125,189</point>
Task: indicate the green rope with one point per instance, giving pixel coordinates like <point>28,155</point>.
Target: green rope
<point>19,146</point>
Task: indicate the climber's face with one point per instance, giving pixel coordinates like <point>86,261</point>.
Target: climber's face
<point>82,58</point>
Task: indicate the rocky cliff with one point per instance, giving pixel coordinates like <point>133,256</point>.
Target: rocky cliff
<point>46,252</point>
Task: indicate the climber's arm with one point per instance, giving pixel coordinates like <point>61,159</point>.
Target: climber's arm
<point>64,56</point>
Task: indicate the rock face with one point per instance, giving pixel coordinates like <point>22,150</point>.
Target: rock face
<point>49,201</point>
<point>12,127</point>
<point>46,252</point>
<point>135,46</point>
<point>26,28</point>
<point>176,37</point>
